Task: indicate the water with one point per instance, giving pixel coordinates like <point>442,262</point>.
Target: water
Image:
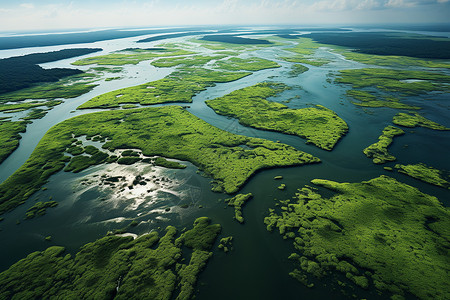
<point>257,268</point>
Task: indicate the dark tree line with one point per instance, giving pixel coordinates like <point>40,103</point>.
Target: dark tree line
<point>23,71</point>
<point>386,43</point>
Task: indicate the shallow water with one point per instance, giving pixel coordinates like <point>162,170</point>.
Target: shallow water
<point>257,268</point>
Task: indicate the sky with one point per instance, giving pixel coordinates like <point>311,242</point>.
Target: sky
<point>63,14</point>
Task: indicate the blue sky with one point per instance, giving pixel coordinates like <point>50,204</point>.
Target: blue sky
<point>50,14</point>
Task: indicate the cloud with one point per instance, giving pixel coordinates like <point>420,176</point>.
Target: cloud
<point>27,5</point>
<point>400,3</point>
<point>129,13</point>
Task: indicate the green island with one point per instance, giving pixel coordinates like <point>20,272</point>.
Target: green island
<point>380,233</point>
<point>372,99</point>
<point>304,53</point>
<point>10,136</point>
<point>297,69</point>
<point>379,87</point>
<point>319,125</point>
<point>185,61</point>
<point>226,244</point>
<point>130,56</point>
<point>39,209</point>
<point>238,202</point>
<point>180,86</point>
<point>378,151</point>
<point>393,60</point>
<point>248,64</point>
<point>175,133</point>
<point>416,120</point>
<point>426,174</point>
<point>148,267</point>
<point>162,162</point>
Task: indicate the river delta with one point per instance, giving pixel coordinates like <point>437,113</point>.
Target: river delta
<point>251,164</point>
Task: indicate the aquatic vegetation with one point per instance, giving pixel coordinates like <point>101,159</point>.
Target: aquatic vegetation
<point>185,61</point>
<point>319,125</point>
<point>304,53</point>
<point>425,173</point>
<point>179,86</point>
<point>39,209</point>
<point>391,60</point>
<point>297,69</point>
<point>405,82</point>
<point>168,131</point>
<point>129,56</point>
<point>69,87</point>
<point>238,202</point>
<point>380,233</point>
<point>371,99</point>
<point>230,39</point>
<point>162,162</point>
<point>416,120</point>
<point>148,267</point>
<point>112,78</point>
<point>388,43</point>
<point>247,64</point>
<point>378,151</point>
<point>23,71</point>
<point>309,61</point>
<point>379,87</point>
<point>27,105</point>
<point>282,187</point>
<point>226,244</point>
<point>10,136</point>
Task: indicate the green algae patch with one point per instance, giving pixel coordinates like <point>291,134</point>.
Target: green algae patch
<point>416,120</point>
<point>247,64</point>
<point>10,136</point>
<point>426,174</point>
<point>380,233</point>
<point>297,69</point>
<point>185,61</point>
<point>371,99</point>
<point>282,187</point>
<point>168,131</point>
<point>319,125</point>
<point>304,52</point>
<point>226,244</point>
<point>179,86</point>
<point>148,267</point>
<point>393,60</point>
<point>380,87</point>
<point>39,209</point>
<point>378,151</point>
<point>238,202</point>
<point>162,162</point>
<point>129,56</point>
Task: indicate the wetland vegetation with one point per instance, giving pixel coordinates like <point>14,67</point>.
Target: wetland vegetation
<point>319,125</point>
<point>377,236</point>
<point>148,267</point>
<point>426,174</point>
<point>379,233</point>
<point>23,71</point>
<point>378,151</point>
<point>174,132</point>
<point>130,56</point>
<point>180,86</point>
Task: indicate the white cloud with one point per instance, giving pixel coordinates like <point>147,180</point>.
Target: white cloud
<point>400,3</point>
<point>27,5</point>
<point>160,13</point>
